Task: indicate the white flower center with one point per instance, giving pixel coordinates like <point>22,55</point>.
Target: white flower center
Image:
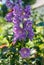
<point>21,25</point>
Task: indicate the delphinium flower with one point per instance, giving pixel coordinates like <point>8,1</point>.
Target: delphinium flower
<point>24,52</point>
<point>20,2</point>
<point>9,17</point>
<point>9,4</point>
<point>28,28</point>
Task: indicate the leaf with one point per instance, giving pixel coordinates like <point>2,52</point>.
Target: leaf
<point>2,20</point>
<point>30,44</point>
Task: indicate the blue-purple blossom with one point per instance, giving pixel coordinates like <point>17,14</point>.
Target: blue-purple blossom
<point>27,11</point>
<point>17,11</point>
<point>28,25</point>
<point>9,17</point>
<point>30,34</point>
<point>20,2</point>
<point>19,33</point>
<point>24,52</point>
<point>9,4</point>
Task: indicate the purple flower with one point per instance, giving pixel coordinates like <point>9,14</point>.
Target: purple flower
<point>30,34</point>
<point>15,20</point>
<point>27,11</point>
<point>9,4</point>
<point>28,28</point>
<point>20,2</point>
<point>24,52</point>
<point>28,25</point>
<point>9,17</point>
<point>19,33</point>
<point>15,39</point>
<point>17,11</point>
<point>21,12</point>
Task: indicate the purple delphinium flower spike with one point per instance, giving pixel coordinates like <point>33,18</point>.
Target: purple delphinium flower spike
<point>22,25</point>
<point>22,28</point>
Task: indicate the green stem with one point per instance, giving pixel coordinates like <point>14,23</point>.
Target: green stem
<point>12,60</point>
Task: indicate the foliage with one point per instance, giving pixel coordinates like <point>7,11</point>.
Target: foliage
<point>29,2</point>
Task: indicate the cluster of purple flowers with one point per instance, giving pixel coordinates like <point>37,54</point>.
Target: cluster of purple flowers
<point>22,25</point>
<point>11,3</point>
